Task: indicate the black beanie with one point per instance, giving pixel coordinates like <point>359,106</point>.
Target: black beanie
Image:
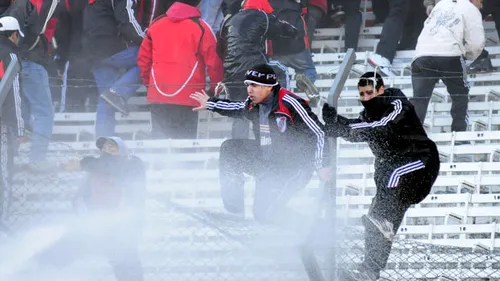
<point>193,3</point>
<point>261,74</point>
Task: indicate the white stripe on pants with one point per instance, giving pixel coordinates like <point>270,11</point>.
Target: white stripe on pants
<point>403,170</point>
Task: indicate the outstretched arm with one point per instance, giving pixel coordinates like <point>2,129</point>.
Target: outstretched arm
<point>234,109</point>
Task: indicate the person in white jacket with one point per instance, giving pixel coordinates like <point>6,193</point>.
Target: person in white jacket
<point>489,7</point>
<point>453,31</point>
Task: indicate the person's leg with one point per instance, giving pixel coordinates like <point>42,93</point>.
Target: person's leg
<point>381,10</point>
<point>105,116</point>
<point>413,26</point>
<point>127,84</point>
<point>274,189</point>
<point>211,13</point>
<point>80,87</point>
<point>492,7</point>
<point>170,121</point>
<point>125,260</point>
<point>36,91</point>
<point>123,251</point>
<point>301,62</point>
<point>158,119</point>
<point>455,79</point>
<point>399,185</point>
<point>423,80</point>
<point>188,128</point>
<point>237,156</point>
<point>282,73</point>
<point>352,23</point>
<point>393,29</point>
<point>314,16</point>
<point>377,244</point>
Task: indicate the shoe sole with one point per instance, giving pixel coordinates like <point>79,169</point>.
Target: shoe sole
<point>381,68</point>
<point>108,101</point>
<point>309,85</point>
<point>366,219</point>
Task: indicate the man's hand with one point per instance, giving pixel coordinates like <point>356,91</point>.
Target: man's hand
<point>329,114</point>
<point>72,165</point>
<point>325,174</point>
<point>200,97</point>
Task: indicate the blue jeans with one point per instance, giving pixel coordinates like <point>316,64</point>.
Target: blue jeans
<point>120,74</point>
<point>211,13</point>
<point>36,92</point>
<point>301,62</point>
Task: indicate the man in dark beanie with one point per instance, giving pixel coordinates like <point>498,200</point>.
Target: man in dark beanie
<point>406,164</point>
<point>288,146</point>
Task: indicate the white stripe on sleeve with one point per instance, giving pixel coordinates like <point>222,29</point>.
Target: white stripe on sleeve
<point>320,135</point>
<point>398,107</point>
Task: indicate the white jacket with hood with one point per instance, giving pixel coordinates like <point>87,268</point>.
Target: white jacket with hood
<point>454,28</point>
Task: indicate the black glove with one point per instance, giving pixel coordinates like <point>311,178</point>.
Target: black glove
<point>329,114</point>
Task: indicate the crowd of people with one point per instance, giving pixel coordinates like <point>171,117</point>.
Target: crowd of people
<point>190,55</point>
<point>101,52</point>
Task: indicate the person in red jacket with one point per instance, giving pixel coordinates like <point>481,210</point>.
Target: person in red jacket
<point>177,50</point>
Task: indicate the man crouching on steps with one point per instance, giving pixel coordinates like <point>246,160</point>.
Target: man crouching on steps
<point>288,146</point>
<point>406,164</point>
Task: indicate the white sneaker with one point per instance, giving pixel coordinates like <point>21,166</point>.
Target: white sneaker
<point>384,226</point>
<point>360,69</point>
<point>382,63</point>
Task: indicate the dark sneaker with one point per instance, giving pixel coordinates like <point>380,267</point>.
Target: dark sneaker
<point>481,65</point>
<point>338,15</point>
<point>116,101</point>
<point>384,226</point>
<point>305,84</point>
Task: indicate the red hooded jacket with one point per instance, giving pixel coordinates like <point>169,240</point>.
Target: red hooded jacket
<point>174,54</point>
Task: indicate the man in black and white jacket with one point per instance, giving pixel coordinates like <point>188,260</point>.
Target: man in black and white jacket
<point>11,122</point>
<point>453,31</point>
<point>288,146</point>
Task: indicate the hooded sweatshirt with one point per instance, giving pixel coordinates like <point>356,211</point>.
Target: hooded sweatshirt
<point>113,182</point>
<point>173,63</point>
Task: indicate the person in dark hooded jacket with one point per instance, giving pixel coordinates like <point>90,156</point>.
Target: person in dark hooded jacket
<point>242,44</point>
<point>110,204</point>
<point>406,163</point>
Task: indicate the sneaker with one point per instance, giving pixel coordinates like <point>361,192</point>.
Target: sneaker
<point>116,101</point>
<point>305,84</point>
<point>359,69</point>
<point>383,64</point>
<point>384,226</point>
<point>338,15</point>
<point>481,65</point>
